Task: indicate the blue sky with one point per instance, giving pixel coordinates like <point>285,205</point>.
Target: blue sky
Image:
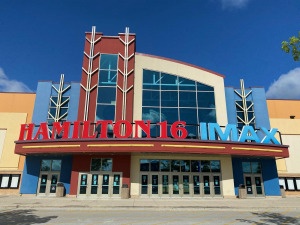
<point>241,39</point>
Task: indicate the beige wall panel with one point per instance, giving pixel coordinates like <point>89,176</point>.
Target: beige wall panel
<point>292,163</point>
<point>286,126</point>
<point>227,176</point>
<point>173,68</point>
<point>2,139</point>
<point>11,122</point>
<point>226,167</point>
<point>281,165</point>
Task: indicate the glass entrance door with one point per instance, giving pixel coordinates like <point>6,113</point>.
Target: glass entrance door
<point>254,185</point>
<point>99,184</point>
<point>47,183</point>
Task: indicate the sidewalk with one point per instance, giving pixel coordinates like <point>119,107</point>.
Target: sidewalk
<point>253,204</point>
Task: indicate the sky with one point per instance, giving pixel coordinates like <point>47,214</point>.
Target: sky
<point>240,39</point>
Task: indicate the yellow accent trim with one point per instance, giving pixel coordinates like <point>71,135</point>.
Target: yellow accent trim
<point>51,146</point>
<point>256,149</point>
<point>194,146</point>
<point>120,145</point>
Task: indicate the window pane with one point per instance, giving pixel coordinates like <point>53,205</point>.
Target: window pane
<point>169,98</point>
<point>164,165</point>
<point>256,167</point>
<point>144,165</point>
<point>46,165</point>
<point>151,80</point>
<point>203,87</point>
<point>215,166</point>
<point>109,61</point>
<point>15,180</point>
<point>105,112</point>
<point>96,165</point>
<point>106,165</point>
<point>154,165</point>
<point>169,114</point>
<point>290,184</point>
<point>186,84</point>
<point>169,82</point>
<point>187,99</point>
<point>175,165</point>
<point>56,165</point>
<point>107,78</point>
<point>185,166</point>
<point>206,99</point>
<point>195,166</point>
<point>4,181</point>
<point>246,167</point>
<point>151,114</point>
<point>207,115</point>
<point>205,166</point>
<point>188,115</point>
<point>107,95</point>
<point>151,98</point>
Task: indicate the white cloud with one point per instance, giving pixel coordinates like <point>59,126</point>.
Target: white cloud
<point>286,87</point>
<point>7,85</point>
<point>226,4</point>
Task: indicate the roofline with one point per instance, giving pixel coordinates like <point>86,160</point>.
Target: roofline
<point>180,62</point>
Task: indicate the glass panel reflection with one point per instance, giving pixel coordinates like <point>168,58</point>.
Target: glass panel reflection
<point>175,184</point>
<point>206,185</point>
<point>154,184</point>
<point>116,186</point>
<point>165,184</point>
<point>144,184</point>
<point>186,184</point>
<point>196,182</point>
<point>105,184</point>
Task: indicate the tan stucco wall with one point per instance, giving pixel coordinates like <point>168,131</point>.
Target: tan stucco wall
<point>283,108</point>
<point>186,71</point>
<point>290,134</point>
<point>11,122</point>
<point>18,102</point>
<point>15,109</point>
<point>227,183</point>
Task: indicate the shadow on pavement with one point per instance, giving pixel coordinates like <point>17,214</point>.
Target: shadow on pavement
<point>24,217</point>
<point>272,218</point>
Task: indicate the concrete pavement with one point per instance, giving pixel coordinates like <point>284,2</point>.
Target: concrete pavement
<point>251,204</point>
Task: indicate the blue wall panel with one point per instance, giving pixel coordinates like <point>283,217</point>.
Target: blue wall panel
<point>74,102</point>
<point>31,173</point>
<point>269,174</point>
<point>41,104</point>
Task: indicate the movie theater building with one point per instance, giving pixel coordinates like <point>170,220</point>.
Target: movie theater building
<point>160,127</point>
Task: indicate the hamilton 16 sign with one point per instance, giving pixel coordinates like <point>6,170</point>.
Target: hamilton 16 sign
<point>124,129</point>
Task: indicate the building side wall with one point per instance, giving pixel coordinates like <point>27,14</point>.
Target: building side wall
<point>173,68</point>
<point>17,102</point>
<point>290,135</point>
<point>283,108</point>
<point>11,122</point>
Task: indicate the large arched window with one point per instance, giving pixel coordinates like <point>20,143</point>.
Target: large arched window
<point>171,98</point>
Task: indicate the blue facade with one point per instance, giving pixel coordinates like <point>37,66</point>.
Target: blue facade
<point>269,170</point>
<point>269,174</point>
<point>31,173</point>
<point>32,165</point>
